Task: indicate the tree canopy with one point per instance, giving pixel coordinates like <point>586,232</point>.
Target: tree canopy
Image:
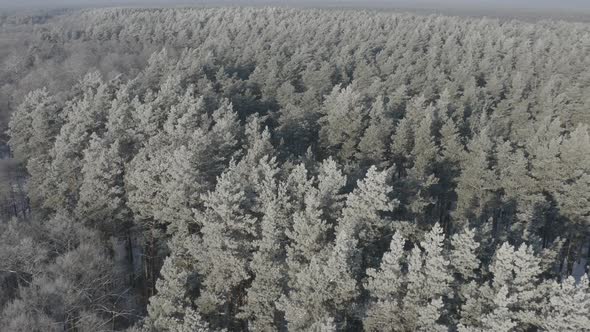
<point>272,169</point>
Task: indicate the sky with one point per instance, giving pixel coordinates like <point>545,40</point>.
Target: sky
<point>497,4</point>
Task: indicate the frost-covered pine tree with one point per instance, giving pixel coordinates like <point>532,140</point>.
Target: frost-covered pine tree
<point>268,263</point>
<point>436,265</point>
<point>120,124</point>
<point>229,233</point>
<point>33,128</point>
<point>144,180</point>
<point>574,178</point>
<point>364,206</point>
<point>410,299</point>
<point>513,297</point>
<point>343,122</point>
<point>331,182</point>
<point>429,279</point>
<point>231,229</point>
<point>102,192</point>
<point>477,183</point>
<point>568,305</point>
<point>373,145</point>
<point>499,319</point>
<point>463,256</point>
<point>34,125</point>
<point>520,196</point>
<point>309,233</point>
<point>425,151</point>
<point>418,186</point>
<point>86,115</point>
<point>385,286</point>
<point>328,285</point>
<point>171,309</point>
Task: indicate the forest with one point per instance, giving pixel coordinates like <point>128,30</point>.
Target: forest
<point>276,169</point>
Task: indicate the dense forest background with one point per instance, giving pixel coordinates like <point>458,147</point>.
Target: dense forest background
<point>290,169</point>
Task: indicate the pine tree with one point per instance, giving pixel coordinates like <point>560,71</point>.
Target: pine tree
<point>328,284</point>
<point>463,256</point>
<point>343,122</point>
<point>429,315</point>
<point>413,299</point>
<point>185,116</point>
<point>268,262</point>
<point>169,301</point>
<point>201,146</point>
<point>543,149</point>
<point>361,214</point>
<point>571,195</point>
<point>325,325</point>
<point>32,129</point>
<point>225,134</point>
<point>184,181</point>
<point>298,185</point>
<point>373,144</point>
<point>331,182</point>
<point>102,193</point>
<point>428,282</point>
<point>309,234</point>
<point>476,186</point>
<point>231,231</point>
<point>520,197</point>
<point>228,233</point>
<point>424,152</point>
<point>144,183</point>
<point>120,122</point>
<point>257,141</point>
<point>324,288</point>
<point>419,185</point>
<point>451,154</point>
<point>402,145</point>
<point>153,75</point>
<point>385,285</point>
<point>171,309</point>
<point>436,266</point>
<point>34,125</point>
<point>85,116</point>
<point>310,298</point>
<point>500,319</point>
<point>341,269</point>
<point>298,127</point>
<point>568,306</point>
<point>452,150</point>
<point>514,296</point>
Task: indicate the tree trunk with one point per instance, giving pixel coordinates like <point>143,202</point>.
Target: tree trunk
<point>130,258</point>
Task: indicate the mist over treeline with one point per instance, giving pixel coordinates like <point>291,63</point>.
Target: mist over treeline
<point>484,4</point>
<point>527,10</point>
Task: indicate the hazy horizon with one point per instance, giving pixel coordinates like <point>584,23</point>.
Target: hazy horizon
<point>458,4</point>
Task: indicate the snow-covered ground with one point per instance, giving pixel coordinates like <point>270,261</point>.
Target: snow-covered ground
<point>579,267</point>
